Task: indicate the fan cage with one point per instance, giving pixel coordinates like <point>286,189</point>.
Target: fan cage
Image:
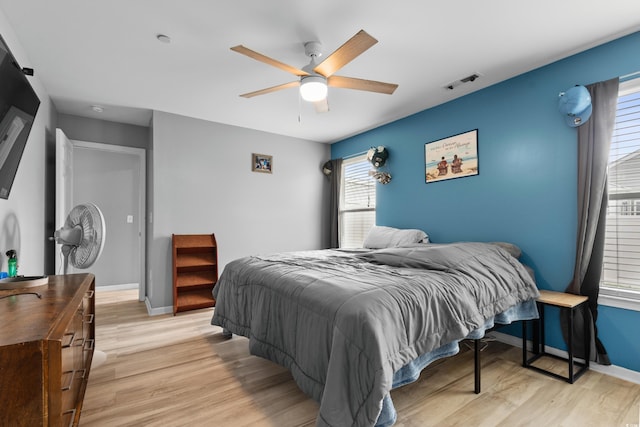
<point>89,218</point>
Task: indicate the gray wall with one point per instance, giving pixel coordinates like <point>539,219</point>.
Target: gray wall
<point>202,183</point>
<point>109,269</point>
<point>24,224</point>
<point>111,181</point>
<point>105,132</point>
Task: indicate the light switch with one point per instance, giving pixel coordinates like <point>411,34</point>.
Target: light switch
<point>129,219</point>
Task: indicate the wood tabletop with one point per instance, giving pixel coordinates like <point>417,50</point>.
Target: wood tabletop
<point>561,299</point>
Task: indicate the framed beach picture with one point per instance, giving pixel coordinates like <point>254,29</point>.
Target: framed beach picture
<point>261,163</point>
<point>452,157</point>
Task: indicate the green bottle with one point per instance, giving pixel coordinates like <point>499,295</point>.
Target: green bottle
<point>12,263</point>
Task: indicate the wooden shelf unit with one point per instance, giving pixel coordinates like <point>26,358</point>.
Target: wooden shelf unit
<point>195,271</point>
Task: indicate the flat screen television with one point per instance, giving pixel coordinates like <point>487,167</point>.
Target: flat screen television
<point>18,107</point>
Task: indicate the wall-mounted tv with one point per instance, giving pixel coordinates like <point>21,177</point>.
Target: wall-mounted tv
<point>18,107</point>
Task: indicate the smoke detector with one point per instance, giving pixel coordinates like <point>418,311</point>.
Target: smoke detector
<point>472,78</point>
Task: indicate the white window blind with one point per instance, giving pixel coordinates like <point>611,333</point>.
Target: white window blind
<point>621,269</point>
<point>357,211</point>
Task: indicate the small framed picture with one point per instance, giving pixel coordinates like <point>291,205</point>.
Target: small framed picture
<point>261,163</point>
<point>452,157</point>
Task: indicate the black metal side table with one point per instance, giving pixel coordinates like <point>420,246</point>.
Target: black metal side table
<point>563,301</point>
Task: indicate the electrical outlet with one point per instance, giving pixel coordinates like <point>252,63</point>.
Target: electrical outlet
<point>129,219</point>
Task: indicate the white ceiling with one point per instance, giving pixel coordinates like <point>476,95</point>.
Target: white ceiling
<point>106,53</point>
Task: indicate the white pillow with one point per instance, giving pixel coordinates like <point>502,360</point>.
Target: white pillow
<point>380,237</point>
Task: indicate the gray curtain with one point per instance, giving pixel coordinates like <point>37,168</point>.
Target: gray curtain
<point>594,141</point>
<point>334,202</point>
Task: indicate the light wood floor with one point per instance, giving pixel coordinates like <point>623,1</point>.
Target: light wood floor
<point>179,371</point>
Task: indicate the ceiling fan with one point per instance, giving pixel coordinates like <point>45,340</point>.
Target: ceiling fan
<point>316,76</point>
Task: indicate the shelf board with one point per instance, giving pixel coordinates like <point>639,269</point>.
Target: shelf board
<point>194,299</point>
<point>200,259</point>
<point>196,278</point>
<point>192,249</point>
<point>194,240</point>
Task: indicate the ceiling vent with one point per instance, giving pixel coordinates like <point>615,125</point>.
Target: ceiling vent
<point>472,78</point>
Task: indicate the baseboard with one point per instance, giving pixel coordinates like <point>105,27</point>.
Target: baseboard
<point>612,370</point>
<point>123,287</point>
<point>157,311</point>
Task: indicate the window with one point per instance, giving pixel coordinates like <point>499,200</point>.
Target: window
<point>357,212</point>
<point>620,282</point>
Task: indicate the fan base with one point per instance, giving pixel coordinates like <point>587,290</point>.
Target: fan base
<point>99,357</point>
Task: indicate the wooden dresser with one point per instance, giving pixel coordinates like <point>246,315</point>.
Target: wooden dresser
<point>46,348</point>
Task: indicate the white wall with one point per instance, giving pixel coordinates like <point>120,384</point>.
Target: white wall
<point>202,183</point>
<point>22,216</point>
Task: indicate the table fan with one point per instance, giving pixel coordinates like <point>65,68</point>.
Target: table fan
<point>82,236</point>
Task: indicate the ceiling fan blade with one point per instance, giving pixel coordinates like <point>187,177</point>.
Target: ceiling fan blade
<point>322,106</point>
<point>270,89</point>
<point>269,61</point>
<point>361,84</point>
<point>346,53</point>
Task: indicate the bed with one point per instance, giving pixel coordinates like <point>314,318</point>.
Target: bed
<point>352,325</point>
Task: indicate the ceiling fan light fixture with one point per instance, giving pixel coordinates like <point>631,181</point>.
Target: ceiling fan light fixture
<point>313,88</point>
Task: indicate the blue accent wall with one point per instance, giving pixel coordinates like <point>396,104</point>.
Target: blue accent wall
<point>525,192</point>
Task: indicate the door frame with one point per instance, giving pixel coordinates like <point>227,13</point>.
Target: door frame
<point>64,189</point>
<point>141,154</point>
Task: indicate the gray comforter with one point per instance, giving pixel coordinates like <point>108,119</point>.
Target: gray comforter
<point>343,323</point>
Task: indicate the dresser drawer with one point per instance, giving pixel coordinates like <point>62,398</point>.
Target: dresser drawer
<point>88,326</point>
<point>71,345</point>
<point>71,384</point>
<point>68,417</point>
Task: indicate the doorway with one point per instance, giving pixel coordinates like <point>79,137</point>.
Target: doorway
<point>113,178</point>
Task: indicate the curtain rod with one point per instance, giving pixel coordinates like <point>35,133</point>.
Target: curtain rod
<point>630,76</point>
<point>355,154</point>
